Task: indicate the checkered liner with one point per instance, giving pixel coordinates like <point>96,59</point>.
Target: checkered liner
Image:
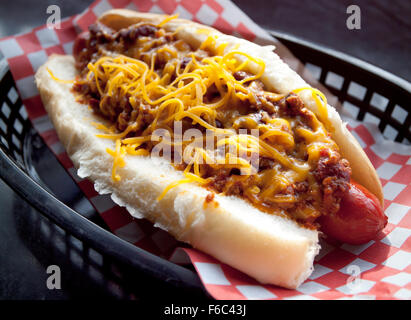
<point>380,269</point>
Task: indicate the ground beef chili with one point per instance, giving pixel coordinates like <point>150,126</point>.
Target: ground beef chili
<point>333,173</point>
<point>319,194</point>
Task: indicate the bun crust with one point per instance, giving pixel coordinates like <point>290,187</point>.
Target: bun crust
<point>269,248</point>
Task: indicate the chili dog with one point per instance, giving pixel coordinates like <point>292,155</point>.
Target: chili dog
<point>134,74</point>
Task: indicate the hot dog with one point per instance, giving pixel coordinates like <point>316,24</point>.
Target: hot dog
<point>139,73</point>
<point>359,219</point>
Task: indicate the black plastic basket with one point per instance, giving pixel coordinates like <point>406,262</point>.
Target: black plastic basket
<point>365,91</point>
<point>68,224</point>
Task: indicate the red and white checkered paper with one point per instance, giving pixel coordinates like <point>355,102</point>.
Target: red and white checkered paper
<point>380,269</point>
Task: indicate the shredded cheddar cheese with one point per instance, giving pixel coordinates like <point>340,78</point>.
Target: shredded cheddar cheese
<point>204,92</point>
<point>58,79</point>
<point>321,104</point>
<point>118,156</point>
<point>166,20</point>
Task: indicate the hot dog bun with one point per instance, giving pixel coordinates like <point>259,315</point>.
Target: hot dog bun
<point>278,77</point>
<point>267,247</point>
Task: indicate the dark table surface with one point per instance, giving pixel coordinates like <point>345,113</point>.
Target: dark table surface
<point>383,40</point>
